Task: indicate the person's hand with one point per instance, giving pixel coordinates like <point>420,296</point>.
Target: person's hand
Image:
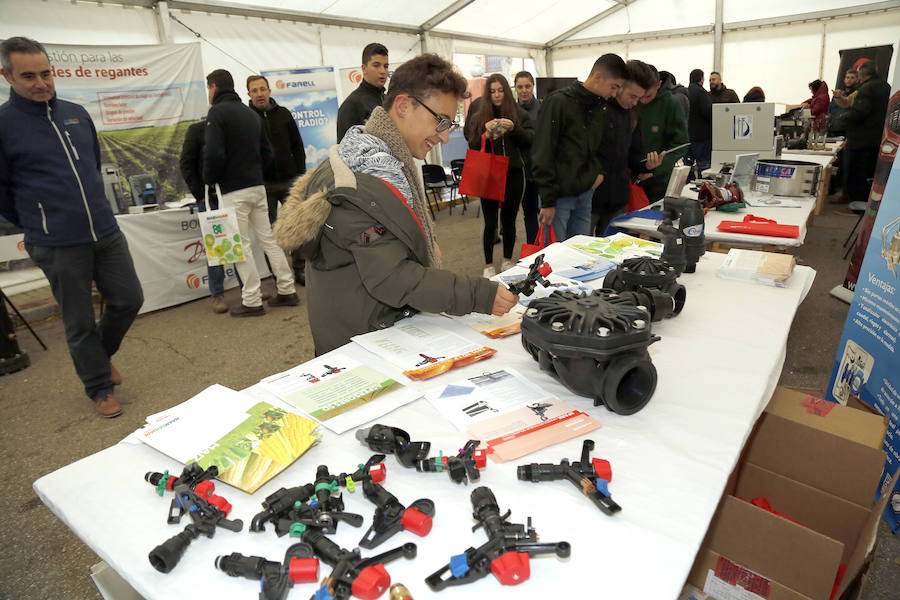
<point>547,215</point>
<point>654,159</point>
<point>597,182</point>
<point>506,124</point>
<point>503,301</point>
<point>644,176</point>
<point>804,105</point>
<point>839,93</point>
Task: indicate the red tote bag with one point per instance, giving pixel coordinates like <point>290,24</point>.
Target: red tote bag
<point>539,243</point>
<point>484,174</point>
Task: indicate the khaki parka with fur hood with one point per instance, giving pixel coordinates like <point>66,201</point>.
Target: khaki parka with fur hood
<point>367,260</point>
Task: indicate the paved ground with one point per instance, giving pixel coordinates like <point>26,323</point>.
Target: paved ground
<point>172,354</point>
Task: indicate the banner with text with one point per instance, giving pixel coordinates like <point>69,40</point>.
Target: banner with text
<point>141,99</point>
<point>311,96</point>
<point>867,358</point>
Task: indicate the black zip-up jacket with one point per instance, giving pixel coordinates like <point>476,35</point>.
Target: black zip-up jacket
<point>700,119</point>
<point>622,149</point>
<point>564,157</point>
<point>516,144</point>
<point>864,120</point>
<point>236,146</point>
<point>357,107</point>
<point>288,155</point>
<point>191,163</point>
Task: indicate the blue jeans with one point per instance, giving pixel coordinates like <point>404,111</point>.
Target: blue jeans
<point>573,216</point>
<point>700,154</point>
<point>216,274</point>
<point>70,271</point>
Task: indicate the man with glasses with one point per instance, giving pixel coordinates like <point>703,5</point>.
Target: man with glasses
<point>361,221</point>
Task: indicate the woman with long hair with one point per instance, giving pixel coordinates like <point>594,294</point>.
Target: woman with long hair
<point>509,132</point>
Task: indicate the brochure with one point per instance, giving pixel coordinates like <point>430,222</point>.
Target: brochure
<point>473,399</point>
<point>339,392</point>
<point>617,248</point>
<point>422,350</point>
<point>495,326</point>
<point>525,430</point>
<point>249,441</point>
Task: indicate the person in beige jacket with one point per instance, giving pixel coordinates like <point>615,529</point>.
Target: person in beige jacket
<point>361,222</point>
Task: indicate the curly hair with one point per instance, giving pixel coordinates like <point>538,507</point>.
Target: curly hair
<point>425,75</point>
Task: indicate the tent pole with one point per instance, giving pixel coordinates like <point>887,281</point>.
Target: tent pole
<point>163,23</point>
<point>822,50</point>
<point>717,46</point>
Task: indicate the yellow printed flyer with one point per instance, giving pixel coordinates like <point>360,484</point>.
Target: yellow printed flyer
<point>249,441</point>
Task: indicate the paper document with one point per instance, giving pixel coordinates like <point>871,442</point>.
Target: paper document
<point>757,200</point>
<point>469,400</point>
<point>618,247</point>
<point>422,350</point>
<point>525,430</point>
<point>249,441</point>
<point>339,392</point>
<point>571,263</point>
<point>556,283</point>
<point>495,326</point>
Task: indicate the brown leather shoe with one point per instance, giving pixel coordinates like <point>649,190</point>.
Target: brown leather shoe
<point>285,300</point>
<point>218,305</point>
<point>115,377</point>
<point>107,406</point>
<point>248,311</point>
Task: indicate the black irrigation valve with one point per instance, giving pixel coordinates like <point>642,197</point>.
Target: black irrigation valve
<point>391,517</point>
<point>648,282</point>
<point>462,468</point>
<point>207,512</point>
<point>591,476</point>
<point>276,579</point>
<point>351,574</point>
<point>595,347</point>
<point>536,275</point>
<point>316,504</point>
<point>393,440</point>
<point>506,554</point>
<point>191,475</point>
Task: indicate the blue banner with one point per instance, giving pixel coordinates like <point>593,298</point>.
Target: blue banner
<point>311,96</point>
<point>867,364</point>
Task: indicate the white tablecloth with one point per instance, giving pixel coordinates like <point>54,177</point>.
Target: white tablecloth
<point>718,363</point>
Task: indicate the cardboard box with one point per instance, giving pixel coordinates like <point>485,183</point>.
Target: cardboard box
<point>817,463</point>
<point>769,268</point>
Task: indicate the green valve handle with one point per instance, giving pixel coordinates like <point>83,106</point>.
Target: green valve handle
<point>161,486</point>
<point>296,529</point>
<point>351,486</point>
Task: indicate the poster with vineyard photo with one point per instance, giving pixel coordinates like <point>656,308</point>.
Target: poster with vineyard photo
<point>141,99</point>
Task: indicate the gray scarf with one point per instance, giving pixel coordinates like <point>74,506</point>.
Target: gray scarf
<point>379,150</point>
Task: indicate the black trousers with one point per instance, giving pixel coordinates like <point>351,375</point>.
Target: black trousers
<point>71,270</point>
<point>531,207</point>
<point>860,164</point>
<point>506,211</point>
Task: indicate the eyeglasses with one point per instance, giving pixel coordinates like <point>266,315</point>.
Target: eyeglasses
<point>444,123</point>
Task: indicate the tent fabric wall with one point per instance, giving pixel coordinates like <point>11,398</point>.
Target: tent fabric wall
<point>741,10</point>
<point>644,15</point>
<point>855,32</point>
<point>62,22</point>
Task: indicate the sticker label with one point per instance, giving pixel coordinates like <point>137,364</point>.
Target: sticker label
<point>769,170</point>
<point>743,127</point>
<point>817,406</point>
<point>732,582</point>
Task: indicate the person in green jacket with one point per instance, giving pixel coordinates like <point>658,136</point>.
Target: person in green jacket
<point>663,126</point>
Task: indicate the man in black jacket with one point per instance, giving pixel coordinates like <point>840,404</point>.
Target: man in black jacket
<point>524,84</point>
<point>357,107</point>
<point>191,163</point>
<point>864,122</point>
<point>718,93</point>
<point>233,161</point>
<point>288,156</point>
<point>565,159</point>
<point>623,147</point>
<point>699,123</point>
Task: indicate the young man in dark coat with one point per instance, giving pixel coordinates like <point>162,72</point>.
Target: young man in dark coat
<point>357,107</point>
<point>699,123</point>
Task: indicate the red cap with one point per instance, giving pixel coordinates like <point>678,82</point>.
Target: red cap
<point>204,488</point>
<point>170,483</point>
<point>480,457</point>
<point>220,503</point>
<point>304,570</point>
<point>545,269</point>
<point>377,472</point>
<point>602,469</point>
<point>416,521</point>
<point>371,582</point>
<point>511,568</point>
